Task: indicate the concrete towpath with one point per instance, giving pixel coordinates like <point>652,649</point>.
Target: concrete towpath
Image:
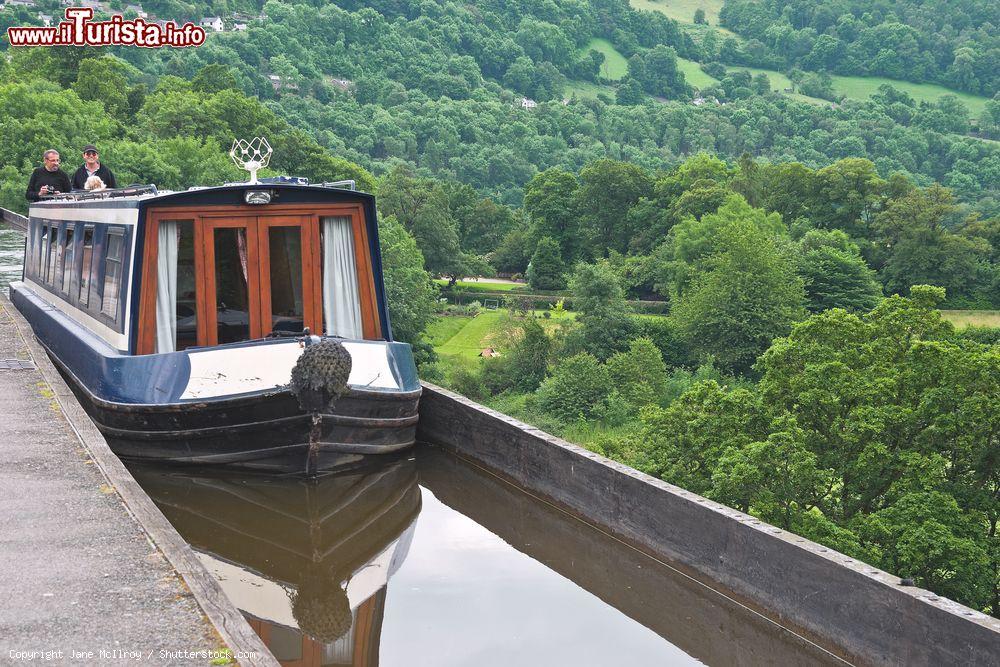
<point>79,572</point>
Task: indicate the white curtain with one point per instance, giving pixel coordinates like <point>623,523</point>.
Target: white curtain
<point>341,303</point>
<point>166,287</point>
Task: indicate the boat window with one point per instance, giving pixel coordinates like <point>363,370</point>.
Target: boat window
<point>41,234</point>
<point>112,272</point>
<point>232,303</point>
<point>285,257</point>
<point>66,266</point>
<point>38,252</point>
<point>341,300</point>
<point>55,254</point>
<point>176,316</point>
<point>86,256</point>
<point>29,256</point>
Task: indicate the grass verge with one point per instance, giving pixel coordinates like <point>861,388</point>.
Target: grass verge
<point>966,318</point>
<point>615,65</point>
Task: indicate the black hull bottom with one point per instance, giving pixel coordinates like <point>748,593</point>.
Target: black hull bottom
<point>265,432</point>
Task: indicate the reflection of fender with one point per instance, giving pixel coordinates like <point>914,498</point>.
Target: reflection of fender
<point>271,541</point>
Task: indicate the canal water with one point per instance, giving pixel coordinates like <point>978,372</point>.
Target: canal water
<point>11,255</point>
<point>428,560</point>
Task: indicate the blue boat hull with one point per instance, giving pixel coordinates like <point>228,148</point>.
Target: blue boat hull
<point>161,407</point>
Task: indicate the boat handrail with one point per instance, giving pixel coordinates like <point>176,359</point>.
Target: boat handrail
<point>86,195</point>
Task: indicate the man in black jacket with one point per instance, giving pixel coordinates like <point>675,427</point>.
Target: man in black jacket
<point>92,167</point>
<point>48,179</point>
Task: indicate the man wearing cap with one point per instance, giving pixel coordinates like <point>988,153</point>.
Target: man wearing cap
<point>92,167</point>
<point>48,179</point>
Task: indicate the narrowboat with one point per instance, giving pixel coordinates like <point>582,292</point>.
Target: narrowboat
<point>177,319</point>
<point>307,561</point>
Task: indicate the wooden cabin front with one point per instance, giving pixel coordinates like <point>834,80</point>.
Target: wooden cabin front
<point>202,268</point>
<point>239,273</point>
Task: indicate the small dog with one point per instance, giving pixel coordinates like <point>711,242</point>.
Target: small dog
<point>94,183</point>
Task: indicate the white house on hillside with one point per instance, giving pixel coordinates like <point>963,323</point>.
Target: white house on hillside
<point>212,23</point>
<point>527,103</point>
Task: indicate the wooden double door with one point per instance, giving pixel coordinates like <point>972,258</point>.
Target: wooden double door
<point>243,274</point>
<point>259,274</point>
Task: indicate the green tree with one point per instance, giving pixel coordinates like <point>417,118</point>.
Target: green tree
<point>847,196</point>
<point>834,273</point>
<point>693,242</point>
<point>699,17</point>
<point>545,272</point>
<point>927,536</point>
<point>777,478</point>
<point>104,80</point>
<point>605,324</point>
<point>684,442</point>
<point>513,253</point>
<point>749,296</point>
<point>213,78</point>
<point>409,291</point>
<point>421,206</point>
<point>920,248</point>
<point>550,204</point>
<point>608,189</point>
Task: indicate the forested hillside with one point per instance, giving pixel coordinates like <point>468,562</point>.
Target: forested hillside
<point>438,85</point>
<point>792,246</point>
<point>954,43</point>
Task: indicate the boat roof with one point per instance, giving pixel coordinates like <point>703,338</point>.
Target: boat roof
<point>144,196</point>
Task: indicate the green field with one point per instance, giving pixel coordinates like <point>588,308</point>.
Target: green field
<point>587,90</point>
<point>979,318</point>
<point>682,11</point>
<point>852,87</point>
<point>458,339</point>
<point>863,87</point>
<point>694,75</point>
<point>443,329</point>
<point>778,80</point>
<point>469,335</point>
<point>615,66</point>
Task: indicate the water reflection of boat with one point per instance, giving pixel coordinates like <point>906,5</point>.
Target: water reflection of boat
<point>306,561</point>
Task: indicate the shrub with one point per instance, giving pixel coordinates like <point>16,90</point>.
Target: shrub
<point>666,336</point>
<point>468,383</point>
<point>523,367</point>
<point>639,374</point>
<point>434,373</point>
<point>576,390</point>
